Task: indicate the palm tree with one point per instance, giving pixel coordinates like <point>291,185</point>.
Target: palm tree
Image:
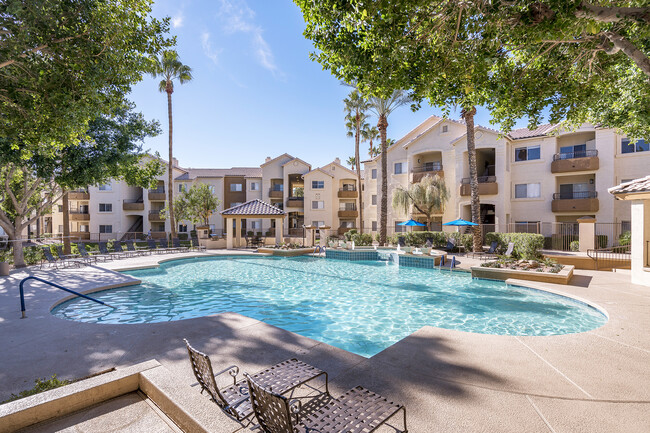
<point>429,197</point>
<point>355,108</point>
<point>170,68</point>
<point>468,116</point>
<point>382,107</point>
<point>370,134</point>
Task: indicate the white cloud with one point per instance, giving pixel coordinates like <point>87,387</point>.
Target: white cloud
<point>239,18</point>
<point>210,52</point>
<point>177,21</point>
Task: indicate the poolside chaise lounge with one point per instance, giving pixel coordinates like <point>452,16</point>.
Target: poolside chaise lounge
<point>164,245</point>
<point>176,243</point>
<point>51,260</point>
<point>103,248</point>
<point>490,253</point>
<point>356,411</point>
<point>70,258</point>
<point>117,246</point>
<point>153,247</point>
<point>196,244</point>
<point>86,255</point>
<point>130,246</point>
<point>234,399</point>
<point>510,249</point>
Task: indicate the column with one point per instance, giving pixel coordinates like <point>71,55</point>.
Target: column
<point>229,244</point>
<point>587,233</point>
<point>278,230</point>
<point>237,231</point>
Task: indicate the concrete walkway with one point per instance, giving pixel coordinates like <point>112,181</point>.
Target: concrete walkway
<point>450,381</point>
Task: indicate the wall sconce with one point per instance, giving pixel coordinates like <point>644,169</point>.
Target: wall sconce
<point>418,160</point>
<point>591,181</point>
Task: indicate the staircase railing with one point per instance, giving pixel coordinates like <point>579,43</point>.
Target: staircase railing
<point>22,293</point>
<point>609,258</point>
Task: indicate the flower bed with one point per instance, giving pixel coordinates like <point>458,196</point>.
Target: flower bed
<point>544,265</point>
<point>533,270</point>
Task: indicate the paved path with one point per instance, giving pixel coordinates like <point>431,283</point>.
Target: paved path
<point>450,381</point>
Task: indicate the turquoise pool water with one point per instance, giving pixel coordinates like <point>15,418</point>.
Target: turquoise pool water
<point>362,307</point>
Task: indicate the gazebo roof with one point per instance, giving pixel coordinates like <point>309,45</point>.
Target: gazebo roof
<point>254,207</point>
<point>635,189</point>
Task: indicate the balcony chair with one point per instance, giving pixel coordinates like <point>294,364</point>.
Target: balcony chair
<point>234,399</point>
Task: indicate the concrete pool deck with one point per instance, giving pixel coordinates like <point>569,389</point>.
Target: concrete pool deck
<point>449,381</point>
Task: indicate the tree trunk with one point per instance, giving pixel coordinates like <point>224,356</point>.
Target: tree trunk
<point>170,185</point>
<point>383,216</point>
<point>358,166</point>
<point>66,224</point>
<point>468,116</point>
<point>17,238</point>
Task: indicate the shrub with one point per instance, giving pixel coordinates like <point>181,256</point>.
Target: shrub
<point>526,245</point>
<point>183,236</point>
<point>361,239</point>
<point>625,238</point>
<point>574,246</point>
<point>349,233</point>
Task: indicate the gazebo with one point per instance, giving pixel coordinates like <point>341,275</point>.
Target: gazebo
<point>252,209</point>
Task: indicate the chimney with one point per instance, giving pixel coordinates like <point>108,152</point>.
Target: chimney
<point>268,158</point>
<point>174,162</point>
<point>337,160</point>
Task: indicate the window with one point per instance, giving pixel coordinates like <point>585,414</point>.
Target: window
<point>60,208</point>
<point>182,187</point>
<point>105,228</point>
<point>237,203</point>
<point>235,187</point>
<point>279,205</point>
<point>317,184</point>
<point>527,190</point>
<point>106,207</point>
<point>60,228</point>
<point>374,173</point>
<point>575,151</point>
<point>374,226</point>
<point>347,224</point>
<point>374,200</point>
<point>84,228</point>
<point>318,223</point>
<point>527,153</point>
<point>626,226</point>
<point>277,187</point>
<point>256,225</point>
<point>398,168</point>
<point>445,128</point>
<point>318,204</point>
<point>182,228</point>
<point>627,146</point>
<point>255,186</point>
<point>106,187</point>
<point>399,228</point>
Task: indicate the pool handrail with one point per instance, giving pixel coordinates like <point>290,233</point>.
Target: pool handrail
<point>31,277</point>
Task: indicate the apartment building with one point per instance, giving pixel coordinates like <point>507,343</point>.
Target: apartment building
<point>549,174</point>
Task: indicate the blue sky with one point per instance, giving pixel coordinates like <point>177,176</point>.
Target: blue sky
<point>255,92</point>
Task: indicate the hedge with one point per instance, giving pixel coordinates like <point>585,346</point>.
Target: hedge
<point>526,245</point>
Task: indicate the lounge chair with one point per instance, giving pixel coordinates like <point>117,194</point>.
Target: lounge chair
<point>196,244</point>
<point>356,411</point>
<point>510,249</point>
<point>165,246</point>
<point>489,254</point>
<point>176,243</point>
<point>234,399</point>
<point>85,255</point>
<point>450,246</point>
<point>401,241</point>
<point>117,246</point>
<point>50,259</point>
<point>71,258</point>
<point>103,248</point>
<point>130,246</point>
<point>153,247</point>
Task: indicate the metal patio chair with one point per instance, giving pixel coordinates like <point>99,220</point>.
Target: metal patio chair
<point>234,399</point>
<point>357,411</point>
<point>103,248</point>
<point>196,244</point>
<point>131,247</point>
<point>117,246</point>
<point>86,255</point>
<point>176,243</point>
<point>165,246</point>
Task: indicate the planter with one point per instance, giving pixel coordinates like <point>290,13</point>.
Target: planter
<point>286,253</point>
<point>4,269</point>
<point>562,277</point>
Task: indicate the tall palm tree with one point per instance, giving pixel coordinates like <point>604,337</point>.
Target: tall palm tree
<point>382,107</point>
<point>428,196</point>
<point>370,134</point>
<point>468,116</point>
<point>355,108</point>
<point>170,68</point>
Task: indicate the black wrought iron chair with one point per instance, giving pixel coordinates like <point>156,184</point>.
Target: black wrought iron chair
<point>196,244</point>
<point>176,243</point>
<point>103,248</point>
<point>164,245</point>
<point>92,257</point>
<point>356,411</point>
<point>234,399</point>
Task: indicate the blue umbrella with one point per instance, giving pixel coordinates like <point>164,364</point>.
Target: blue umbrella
<point>460,222</point>
<point>411,222</point>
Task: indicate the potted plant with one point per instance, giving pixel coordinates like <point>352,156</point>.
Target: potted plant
<point>4,262</point>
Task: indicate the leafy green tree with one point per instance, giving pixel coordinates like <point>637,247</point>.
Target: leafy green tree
<point>382,107</point>
<point>355,115</point>
<point>196,204</point>
<point>111,149</point>
<point>170,68</point>
<point>66,62</point>
<point>428,196</point>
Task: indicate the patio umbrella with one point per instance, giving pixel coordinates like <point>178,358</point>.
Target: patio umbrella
<point>411,222</point>
<point>459,223</point>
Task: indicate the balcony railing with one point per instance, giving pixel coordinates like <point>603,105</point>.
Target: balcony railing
<point>348,188</point>
<point>579,154</point>
<point>427,166</point>
<point>481,179</point>
<point>348,206</point>
<point>159,190</point>
<point>576,195</point>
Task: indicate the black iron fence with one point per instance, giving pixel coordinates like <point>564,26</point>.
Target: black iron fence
<point>576,154</point>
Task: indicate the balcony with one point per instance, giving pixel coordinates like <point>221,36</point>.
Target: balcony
<point>348,193</point>
<point>428,168</point>
<point>156,215</point>
<point>79,216</point>
<point>136,205</point>
<point>157,194</point>
<point>343,230</point>
<point>584,160</point>
<point>583,201</point>
<point>275,193</point>
<point>349,210</point>
<point>487,185</point>
<point>78,194</point>
<point>295,202</point>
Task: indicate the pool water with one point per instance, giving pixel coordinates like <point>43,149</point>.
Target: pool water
<point>362,307</point>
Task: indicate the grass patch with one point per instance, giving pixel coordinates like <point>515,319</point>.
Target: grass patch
<point>41,386</point>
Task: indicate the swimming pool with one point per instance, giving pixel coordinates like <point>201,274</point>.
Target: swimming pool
<point>362,307</point>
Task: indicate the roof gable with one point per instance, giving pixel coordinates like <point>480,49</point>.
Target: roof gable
<point>253,207</point>
<point>284,155</point>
